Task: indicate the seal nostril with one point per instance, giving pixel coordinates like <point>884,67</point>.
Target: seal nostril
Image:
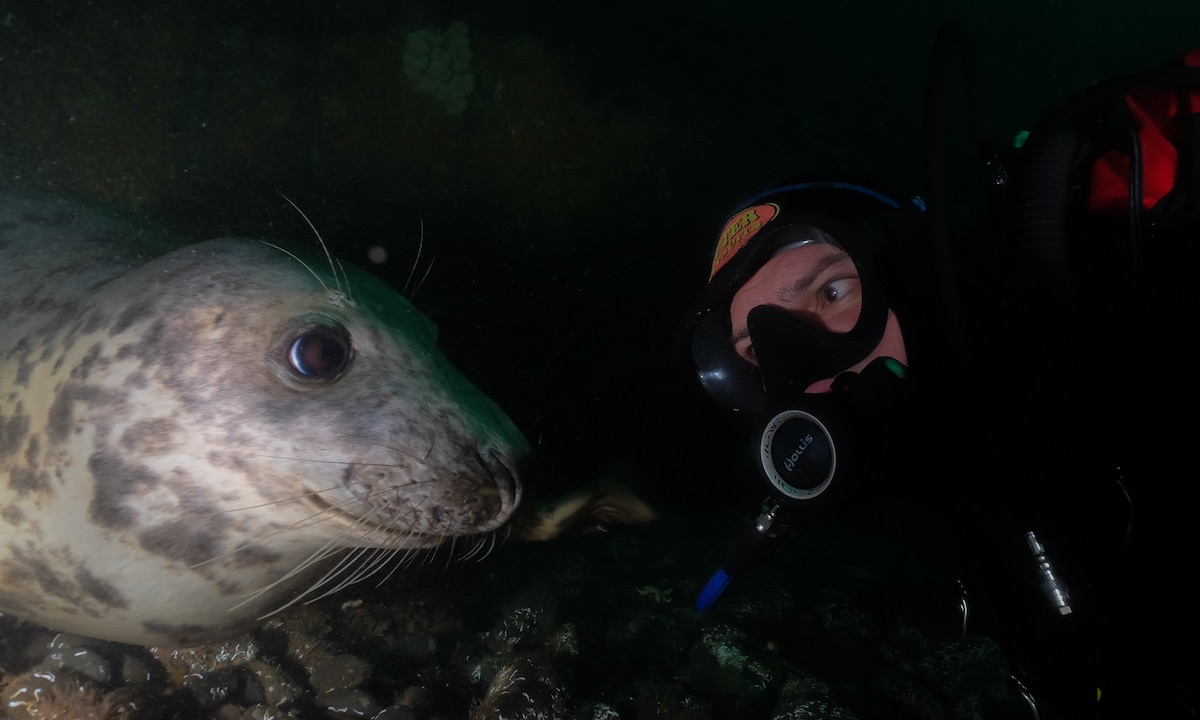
<point>506,478</point>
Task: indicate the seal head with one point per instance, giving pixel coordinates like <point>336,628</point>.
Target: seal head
<point>192,439</point>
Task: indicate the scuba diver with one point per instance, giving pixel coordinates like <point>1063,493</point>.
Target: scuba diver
<point>1016,383</point>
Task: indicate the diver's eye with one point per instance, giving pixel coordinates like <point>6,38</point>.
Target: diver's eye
<point>319,353</point>
<point>835,290</point>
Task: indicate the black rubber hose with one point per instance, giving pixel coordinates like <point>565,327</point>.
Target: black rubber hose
<point>1037,245</point>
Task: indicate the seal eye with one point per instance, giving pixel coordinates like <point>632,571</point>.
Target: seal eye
<point>319,354</point>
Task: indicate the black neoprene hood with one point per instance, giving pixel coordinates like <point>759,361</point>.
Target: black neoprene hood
<point>786,213</point>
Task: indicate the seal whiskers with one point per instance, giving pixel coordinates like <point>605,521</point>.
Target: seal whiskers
<point>350,558</point>
<point>333,266</point>
<point>361,569</point>
<point>306,266</point>
<point>478,545</point>
<point>352,564</point>
<point>416,263</point>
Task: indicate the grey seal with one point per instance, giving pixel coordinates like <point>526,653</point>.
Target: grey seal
<point>193,436</point>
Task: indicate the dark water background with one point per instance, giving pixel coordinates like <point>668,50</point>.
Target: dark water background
<point>569,210</point>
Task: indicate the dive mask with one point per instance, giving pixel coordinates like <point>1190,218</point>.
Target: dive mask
<point>791,353</point>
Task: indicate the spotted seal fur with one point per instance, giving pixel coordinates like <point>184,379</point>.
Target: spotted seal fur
<point>192,437</point>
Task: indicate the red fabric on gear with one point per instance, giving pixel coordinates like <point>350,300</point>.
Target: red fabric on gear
<point>1156,114</point>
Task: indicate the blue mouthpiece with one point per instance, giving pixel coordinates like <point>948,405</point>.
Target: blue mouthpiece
<point>716,585</point>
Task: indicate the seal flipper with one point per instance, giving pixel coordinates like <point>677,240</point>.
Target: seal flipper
<point>590,508</point>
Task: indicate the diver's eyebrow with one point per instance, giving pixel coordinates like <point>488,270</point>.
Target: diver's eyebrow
<point>806,281</point>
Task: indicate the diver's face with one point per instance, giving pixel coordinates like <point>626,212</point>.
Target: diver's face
<point>819,285</point>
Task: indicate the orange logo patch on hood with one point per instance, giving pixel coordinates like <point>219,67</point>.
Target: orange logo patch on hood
<point>738,231</point>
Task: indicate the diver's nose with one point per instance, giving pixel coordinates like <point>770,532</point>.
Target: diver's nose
<point>791,351</point>
<point>810,318</point>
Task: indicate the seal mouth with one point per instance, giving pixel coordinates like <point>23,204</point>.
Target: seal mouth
<point>367,528</point>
